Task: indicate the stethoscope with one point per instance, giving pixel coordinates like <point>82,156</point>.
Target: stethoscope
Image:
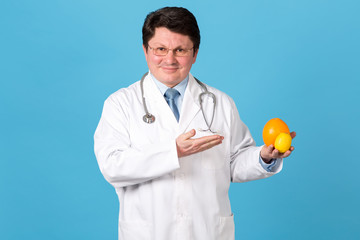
<point>149,118</point>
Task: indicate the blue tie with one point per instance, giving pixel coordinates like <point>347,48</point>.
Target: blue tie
<point>170,96</point>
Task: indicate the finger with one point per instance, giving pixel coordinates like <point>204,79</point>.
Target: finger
<point>210,144</point>
<point>275,153</point>
<point>206,143</point>
<point>270,149</point>
<point>207,139</point>
<point>293,135</point>
<point>286,154</point>
<point>266,151</point>
<point>189,134</point>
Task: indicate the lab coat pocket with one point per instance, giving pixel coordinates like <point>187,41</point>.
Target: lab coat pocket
<point>226,230</point>
<point>135,230</point>
<point>213,158</point>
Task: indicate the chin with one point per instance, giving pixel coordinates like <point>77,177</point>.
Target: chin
<point>170,79</point>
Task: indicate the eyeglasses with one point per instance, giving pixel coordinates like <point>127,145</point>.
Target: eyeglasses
<point>178,52</point>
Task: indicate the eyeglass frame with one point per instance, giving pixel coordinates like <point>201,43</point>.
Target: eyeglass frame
<point>173,49</point>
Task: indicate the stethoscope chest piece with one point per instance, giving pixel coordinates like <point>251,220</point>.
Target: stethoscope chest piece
<point>149,118</point>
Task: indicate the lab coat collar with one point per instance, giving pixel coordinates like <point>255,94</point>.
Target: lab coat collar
<point>190,106</point>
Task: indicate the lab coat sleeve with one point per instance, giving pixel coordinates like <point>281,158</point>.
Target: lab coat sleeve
<point>120,163</point>
<point>245,165</point>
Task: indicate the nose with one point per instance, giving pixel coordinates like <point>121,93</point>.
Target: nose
<point>170,57</point>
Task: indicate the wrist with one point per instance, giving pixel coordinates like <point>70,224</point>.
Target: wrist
<point>264,159</point>
<point>267,161</point>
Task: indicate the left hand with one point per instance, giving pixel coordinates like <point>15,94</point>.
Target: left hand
<point>268,153</point>
<point>186,145</point>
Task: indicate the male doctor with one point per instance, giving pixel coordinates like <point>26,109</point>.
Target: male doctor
<point>171,176</point>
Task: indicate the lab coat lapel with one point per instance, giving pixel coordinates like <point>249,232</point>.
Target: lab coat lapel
<point>190,106</point>
<point>156,102</point>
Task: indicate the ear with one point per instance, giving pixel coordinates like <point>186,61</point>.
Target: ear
<point>145,51</point>
<point>195,56</point>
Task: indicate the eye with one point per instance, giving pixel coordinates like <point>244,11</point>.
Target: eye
<point>180,50</point>
<point>161,49</point>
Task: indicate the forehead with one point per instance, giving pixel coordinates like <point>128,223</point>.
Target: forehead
<point>166,37</point>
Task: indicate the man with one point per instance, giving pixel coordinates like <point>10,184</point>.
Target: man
<point>172,179</point>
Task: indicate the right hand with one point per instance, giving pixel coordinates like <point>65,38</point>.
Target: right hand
<point>187,146</point>
<point>268,153</point>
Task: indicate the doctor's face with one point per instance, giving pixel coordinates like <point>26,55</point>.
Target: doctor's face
<point>170,69</point>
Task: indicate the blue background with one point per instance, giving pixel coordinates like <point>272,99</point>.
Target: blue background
<point>297,60</point>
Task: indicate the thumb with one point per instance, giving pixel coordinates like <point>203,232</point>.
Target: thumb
<point>189,134</point>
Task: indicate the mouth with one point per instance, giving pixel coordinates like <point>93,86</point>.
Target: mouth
<point>169,69</point>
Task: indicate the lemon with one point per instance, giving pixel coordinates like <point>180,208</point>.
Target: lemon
<point>283,142</point>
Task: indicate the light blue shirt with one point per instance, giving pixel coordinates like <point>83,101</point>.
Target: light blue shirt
<point>181,87</point>
<point>270,167</point>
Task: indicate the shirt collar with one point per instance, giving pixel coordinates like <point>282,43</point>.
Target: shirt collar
<point>181,87</point>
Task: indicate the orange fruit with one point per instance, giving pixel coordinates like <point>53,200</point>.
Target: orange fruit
<point>272,129</point>
<point>283,142</point>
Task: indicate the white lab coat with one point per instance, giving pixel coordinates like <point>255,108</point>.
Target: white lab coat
<point>163,197</point>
